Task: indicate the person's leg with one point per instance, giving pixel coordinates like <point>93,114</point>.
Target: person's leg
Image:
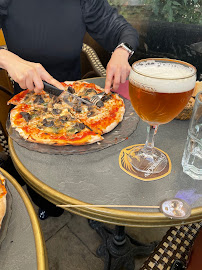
<point>45,207</point>
<point>9,167</point>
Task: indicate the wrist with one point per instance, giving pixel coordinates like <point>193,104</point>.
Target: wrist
<point>122,52</point>
<point>3,57</point>
<point>126,47</point>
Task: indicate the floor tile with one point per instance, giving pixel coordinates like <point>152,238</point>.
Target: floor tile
<point>51,225</point>
<point>71,243</point>
<point>66,251</point>
<point>147,235</point>
<point>80,227</point>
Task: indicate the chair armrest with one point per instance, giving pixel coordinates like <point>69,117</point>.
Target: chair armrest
<point>94,60</point>
<point>175,245</point>
<point>4,140</point>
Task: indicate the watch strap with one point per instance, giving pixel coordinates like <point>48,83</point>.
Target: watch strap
<point>126,47</point>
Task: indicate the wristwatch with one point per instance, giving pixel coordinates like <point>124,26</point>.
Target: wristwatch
<point>127,48</point>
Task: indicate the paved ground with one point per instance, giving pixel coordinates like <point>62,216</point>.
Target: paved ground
<point>71,243</point>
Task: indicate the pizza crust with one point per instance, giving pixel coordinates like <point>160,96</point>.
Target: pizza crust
<point>2,200</point>
<point>2,208</point>
<point>86,140</point>
<point>118,119</point>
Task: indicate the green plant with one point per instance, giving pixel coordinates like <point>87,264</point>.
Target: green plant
<point>182,11</point>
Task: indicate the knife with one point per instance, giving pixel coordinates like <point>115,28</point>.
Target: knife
<point>51,89</point>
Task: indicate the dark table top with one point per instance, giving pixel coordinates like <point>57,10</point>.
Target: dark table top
<point>96,178</point>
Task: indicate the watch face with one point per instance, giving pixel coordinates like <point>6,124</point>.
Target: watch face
<point>127,45</point>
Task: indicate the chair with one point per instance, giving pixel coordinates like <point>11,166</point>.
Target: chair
<point>173,252</point>
<point>93,59</point>
<point>6,90</point>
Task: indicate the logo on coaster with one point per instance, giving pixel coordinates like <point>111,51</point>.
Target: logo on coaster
<point>126,166</point>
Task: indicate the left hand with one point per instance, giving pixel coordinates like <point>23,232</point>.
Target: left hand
<point>118,69</point>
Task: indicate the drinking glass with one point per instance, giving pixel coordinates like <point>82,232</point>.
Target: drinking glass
<point>192,157</point>
<point>159,89</point>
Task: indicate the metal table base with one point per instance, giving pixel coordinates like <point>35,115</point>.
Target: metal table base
<point>118,248</point>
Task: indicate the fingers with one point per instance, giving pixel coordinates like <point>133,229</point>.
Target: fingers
<point>54,82</point>
<point>33,78</point>
<point>117,79</point>
<point>115,76</point>
<point>118,70</point>
<point>44,75</point>
<point>27,74</point>
<point>109,79</point>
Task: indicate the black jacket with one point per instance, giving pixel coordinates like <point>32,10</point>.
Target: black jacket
<point>51,32</point>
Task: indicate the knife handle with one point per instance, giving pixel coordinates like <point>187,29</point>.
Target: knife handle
<point>51,89</point>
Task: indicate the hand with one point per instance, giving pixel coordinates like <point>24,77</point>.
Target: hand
<point>27,74</point>
<point>118,69</point>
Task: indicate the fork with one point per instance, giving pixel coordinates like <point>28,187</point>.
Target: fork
<point>96,98</point>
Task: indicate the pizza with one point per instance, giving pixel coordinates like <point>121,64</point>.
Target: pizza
<point>3,193</point>
<point>65,120</point>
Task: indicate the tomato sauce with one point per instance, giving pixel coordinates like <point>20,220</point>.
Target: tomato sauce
<point>2,189</point>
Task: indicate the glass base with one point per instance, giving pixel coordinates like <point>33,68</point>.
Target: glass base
<point>153,161</point>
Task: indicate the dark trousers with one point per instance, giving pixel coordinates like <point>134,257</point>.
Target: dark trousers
<point>42,203</point>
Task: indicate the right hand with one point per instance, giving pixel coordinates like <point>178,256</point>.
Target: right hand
<point>27,74</point>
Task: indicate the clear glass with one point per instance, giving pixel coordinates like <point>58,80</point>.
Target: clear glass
<point>159,90</point>
<point>192,157</point>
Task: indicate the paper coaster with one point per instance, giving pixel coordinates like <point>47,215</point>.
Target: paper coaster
<point>129,169</point>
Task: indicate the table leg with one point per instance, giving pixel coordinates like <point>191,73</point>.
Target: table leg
<point>118,248</point>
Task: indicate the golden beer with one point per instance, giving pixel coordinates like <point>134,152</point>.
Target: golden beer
<point>159,91</point>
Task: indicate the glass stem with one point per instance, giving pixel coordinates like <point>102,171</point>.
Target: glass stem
<point>151,132</point>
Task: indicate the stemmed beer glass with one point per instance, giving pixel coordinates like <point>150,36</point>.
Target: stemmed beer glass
<point>159,90</point>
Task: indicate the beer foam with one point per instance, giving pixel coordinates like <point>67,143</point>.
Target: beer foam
<point>164,77</point>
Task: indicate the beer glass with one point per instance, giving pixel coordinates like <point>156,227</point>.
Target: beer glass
<point>159,89</point>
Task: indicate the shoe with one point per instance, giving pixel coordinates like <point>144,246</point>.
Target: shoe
<point>42,214</point>
<point>55,211</point>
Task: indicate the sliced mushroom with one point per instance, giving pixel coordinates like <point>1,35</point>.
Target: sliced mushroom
<point>91,113</point>
<point>39,100</point>
<point>106,98</point>
<point>48,123</point>
<point>56,111</point>
<point>77,109</point>
<point>71,90</point>
<point>90,91</point>
<point>100,104</point>
<point>81,126</point>
<point>26,116</point>
<point>78,127</point>
<point>66,118</point>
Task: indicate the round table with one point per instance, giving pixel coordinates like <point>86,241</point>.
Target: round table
<point>23,246</point>
<point>96,178</point>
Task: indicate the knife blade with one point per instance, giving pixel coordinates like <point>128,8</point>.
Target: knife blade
<point>51,89</point>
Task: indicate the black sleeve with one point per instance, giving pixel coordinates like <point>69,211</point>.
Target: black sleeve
<point>106,26</point>
<point>3,10</point>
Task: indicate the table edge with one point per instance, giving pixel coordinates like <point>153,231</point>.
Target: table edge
<point>41,253</point>
<point>107,215</point>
